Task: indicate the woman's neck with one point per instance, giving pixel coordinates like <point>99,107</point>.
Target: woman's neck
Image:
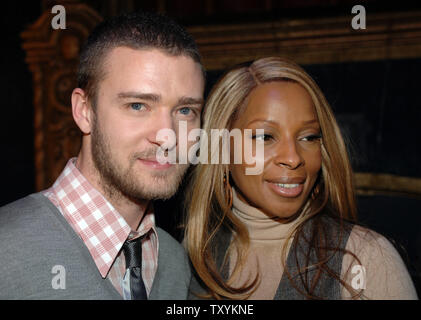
<point>260,226</point>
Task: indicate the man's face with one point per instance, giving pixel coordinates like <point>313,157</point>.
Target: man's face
<point>143,91</point>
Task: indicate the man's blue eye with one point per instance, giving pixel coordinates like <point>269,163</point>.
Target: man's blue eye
<point>137,106</point>
<point>185,110</point>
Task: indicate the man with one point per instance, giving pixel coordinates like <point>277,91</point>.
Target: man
<point>92,234</point>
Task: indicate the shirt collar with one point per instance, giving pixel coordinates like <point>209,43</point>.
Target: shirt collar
<point>102,229</point>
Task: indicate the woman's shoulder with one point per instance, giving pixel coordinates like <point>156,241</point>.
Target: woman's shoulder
<point>359,238</point>
<point>373,264</point>
<point>374,249</point>
<point>365,239</point>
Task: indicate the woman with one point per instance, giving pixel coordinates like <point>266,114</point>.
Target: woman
<point>288,232</point>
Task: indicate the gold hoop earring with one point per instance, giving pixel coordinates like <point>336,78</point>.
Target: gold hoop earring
<point>228,190</point>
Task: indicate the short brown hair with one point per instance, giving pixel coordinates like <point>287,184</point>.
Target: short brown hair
<point>139,30</point>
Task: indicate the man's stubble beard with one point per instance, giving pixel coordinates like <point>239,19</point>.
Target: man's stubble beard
<point>118,182</point>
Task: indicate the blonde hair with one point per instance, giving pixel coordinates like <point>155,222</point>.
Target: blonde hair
<point>207,209</point>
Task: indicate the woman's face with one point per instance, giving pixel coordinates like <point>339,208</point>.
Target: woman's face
<point>292,156</point>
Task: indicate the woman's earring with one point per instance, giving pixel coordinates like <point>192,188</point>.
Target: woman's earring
<point>315,192</point>
<point>228,190</point>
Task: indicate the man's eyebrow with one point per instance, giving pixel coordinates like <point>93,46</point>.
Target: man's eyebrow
<point>139,95</point>
<point>189,100</point>
<point>156,98</point>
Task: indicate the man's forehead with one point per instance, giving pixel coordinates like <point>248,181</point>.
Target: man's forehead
<point>128,71</point>
<point>155,61</point>
<point>149,54</point>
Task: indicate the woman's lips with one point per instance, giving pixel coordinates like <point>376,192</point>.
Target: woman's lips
<point>288,187</point>
<point>153,164</point>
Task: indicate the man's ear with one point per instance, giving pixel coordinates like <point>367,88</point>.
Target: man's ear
<point>82,113</point>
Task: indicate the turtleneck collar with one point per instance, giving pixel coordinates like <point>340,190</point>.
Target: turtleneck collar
<point>259,225</point>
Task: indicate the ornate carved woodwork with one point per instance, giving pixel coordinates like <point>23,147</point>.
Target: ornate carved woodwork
<point>52,56</point>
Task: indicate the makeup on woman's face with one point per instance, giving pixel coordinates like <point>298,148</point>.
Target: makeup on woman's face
<point>292,148</point>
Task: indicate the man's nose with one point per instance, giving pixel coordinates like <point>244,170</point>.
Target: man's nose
<point>163,131</point>
<point>288,154</point>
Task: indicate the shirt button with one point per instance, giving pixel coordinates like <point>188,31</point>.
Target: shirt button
<point>131,236</point>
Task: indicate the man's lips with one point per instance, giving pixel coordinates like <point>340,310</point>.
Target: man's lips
<point>154,164</point>
<point>289,187</point>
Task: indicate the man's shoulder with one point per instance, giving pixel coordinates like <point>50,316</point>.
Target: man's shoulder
<point>32,200</point>
<point>22,210</point>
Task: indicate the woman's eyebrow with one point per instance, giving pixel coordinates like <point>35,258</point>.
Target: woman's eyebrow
<point>311,121</point>
<point>305,122</point>
<point>262,120</point>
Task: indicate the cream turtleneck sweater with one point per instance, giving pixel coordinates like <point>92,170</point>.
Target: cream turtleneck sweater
<point>382,271</point>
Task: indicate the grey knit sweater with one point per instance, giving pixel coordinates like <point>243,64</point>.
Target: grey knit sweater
<point>37,246</point>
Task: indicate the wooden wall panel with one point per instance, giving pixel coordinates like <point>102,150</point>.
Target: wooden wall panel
<point>52,56</point>
<point>312,41</point>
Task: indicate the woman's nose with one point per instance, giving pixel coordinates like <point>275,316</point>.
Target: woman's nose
<point>288,155</point>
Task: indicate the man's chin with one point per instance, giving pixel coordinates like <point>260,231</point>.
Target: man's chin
<point>154,194</point>
<point>151,185</point>
<point>157,188</point>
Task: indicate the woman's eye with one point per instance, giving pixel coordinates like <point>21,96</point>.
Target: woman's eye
<point>137,106</point>
<point>262,137</point>
<point>313,137</point>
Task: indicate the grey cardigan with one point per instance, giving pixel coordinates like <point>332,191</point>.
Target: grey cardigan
<point>36,243</point>
<point>327,287</point>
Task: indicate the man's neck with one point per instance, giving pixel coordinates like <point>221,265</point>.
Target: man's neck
<point>132,210</point>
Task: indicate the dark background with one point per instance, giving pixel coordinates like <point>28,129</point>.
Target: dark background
<point>377,103</point>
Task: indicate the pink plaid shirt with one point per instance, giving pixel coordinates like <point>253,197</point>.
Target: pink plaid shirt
<point>102,229</point>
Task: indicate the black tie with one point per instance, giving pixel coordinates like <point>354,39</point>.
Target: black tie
<point>133,254</point>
